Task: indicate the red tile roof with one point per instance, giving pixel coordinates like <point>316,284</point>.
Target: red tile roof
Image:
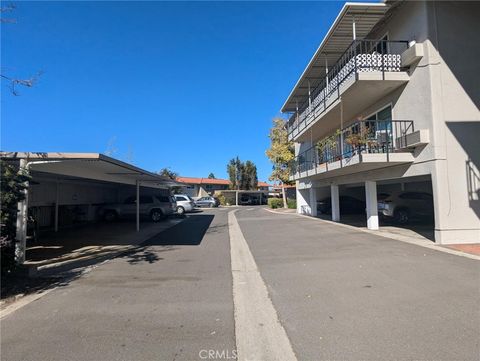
<point>263,184</point>
<point>192,180</point>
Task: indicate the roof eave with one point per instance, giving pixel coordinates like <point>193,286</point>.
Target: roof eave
<point>342,13</point>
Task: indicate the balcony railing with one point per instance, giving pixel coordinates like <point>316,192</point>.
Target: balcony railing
<point>361,137</point>
<point>360,56</point>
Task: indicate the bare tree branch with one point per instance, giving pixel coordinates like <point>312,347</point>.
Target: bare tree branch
<point>15,82</point>
<point>6,9</point>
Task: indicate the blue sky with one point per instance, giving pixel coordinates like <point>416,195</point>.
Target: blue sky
<point>167,84</point>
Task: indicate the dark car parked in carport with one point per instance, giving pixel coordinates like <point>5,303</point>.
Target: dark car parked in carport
<point>348,205</point>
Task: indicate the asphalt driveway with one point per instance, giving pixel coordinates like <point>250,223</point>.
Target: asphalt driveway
<point>340,294</point>
<point>348,295</point>
<point>166,301</point>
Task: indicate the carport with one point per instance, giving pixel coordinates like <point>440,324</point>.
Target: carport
<point>80,181</point>
<point>381,189</point>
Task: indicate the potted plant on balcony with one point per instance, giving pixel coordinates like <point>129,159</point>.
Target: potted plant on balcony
<point>326,145</point>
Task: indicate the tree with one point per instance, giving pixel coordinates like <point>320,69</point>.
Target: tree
<point>234,170</point>
<point>211,176</point>
<point>249,179</point>
<point>281,154</point>
<point>13,185</point>
<point>167,172</point>
<point>242,175</point>
<point>13,81</point>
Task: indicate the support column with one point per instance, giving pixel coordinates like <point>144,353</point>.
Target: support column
<point>334,194</point>
<point>309,97</point>
<point>56,206</point>
<point>138,205</point>
<point>354,30</point>
<point>313,202</point>
<point>372,208</point>
<point>236,198</point>
<point>22,219</point>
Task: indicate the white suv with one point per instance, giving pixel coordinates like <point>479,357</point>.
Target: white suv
<point>184,203</point>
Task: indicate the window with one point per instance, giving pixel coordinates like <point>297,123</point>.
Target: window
<point>384,114</point>
<point>145,199</point>
<point>163,199</point>
<point>180,198</point>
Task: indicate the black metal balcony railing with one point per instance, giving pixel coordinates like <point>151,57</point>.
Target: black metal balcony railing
<point>360,56</point>
<point>364,136</point>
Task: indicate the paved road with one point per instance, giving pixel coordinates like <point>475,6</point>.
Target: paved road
<point>339,295</point>
<point>348,295</point>
<point>166,302</point>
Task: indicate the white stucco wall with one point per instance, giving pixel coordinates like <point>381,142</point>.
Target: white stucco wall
<point>442,96</point>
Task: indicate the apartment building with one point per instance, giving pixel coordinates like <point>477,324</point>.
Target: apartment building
<point>201,187</point>
<point>389,102</point>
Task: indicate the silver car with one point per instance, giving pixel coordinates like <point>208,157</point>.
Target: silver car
<point>154,207</point>
<point>184,203</point>
<point>207,202</point>
<point>402,207</point>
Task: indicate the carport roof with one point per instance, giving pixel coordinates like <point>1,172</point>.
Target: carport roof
<point>334,44</point>
<point>90,166</point>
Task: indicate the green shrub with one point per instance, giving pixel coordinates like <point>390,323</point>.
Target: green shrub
<point>275,203</point>
<point>221,198</point>
<point>292,203</point>
<point>12,191</point>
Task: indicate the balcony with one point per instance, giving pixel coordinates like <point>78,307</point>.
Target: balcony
<point>363,145</point>
<point>376,62</point>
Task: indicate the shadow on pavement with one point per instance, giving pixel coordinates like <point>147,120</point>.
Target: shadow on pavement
<point>190,232</point>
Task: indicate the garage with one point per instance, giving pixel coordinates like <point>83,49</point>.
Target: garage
<point>68,196</point>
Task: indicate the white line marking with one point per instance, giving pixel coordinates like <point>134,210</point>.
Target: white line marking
<point>258,332</point>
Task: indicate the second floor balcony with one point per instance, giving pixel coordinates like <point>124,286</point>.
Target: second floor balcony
<point>363,145</point>
<point>376,62</point>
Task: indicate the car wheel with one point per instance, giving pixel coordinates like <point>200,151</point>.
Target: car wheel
<point>156,215</point>
<point>110,216</point>
<point>180,210</point>
<point>401,216</point>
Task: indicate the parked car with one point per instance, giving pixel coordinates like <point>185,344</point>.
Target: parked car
<point>348,205</point>
<point>184,203</point>
<point>246,199</point>
<point>155,207</point>
<point>207,202</point>
<point>382,196</point>
<point>402,207</point>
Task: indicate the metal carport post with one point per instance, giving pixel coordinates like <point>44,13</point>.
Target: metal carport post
<point>138,205</point>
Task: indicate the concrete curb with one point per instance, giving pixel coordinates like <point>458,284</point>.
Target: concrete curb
<point>259,334</point>
<point>405,239</point>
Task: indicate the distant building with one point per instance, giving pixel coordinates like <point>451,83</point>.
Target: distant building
<point>201,187</point>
